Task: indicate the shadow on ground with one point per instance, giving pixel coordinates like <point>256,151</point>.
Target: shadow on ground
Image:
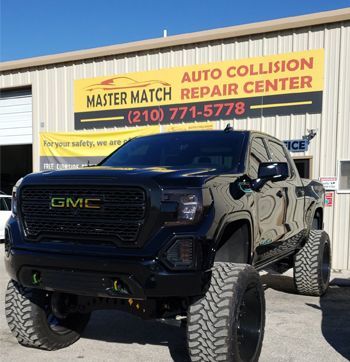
<point>335,307</point>
<point>120,327</point>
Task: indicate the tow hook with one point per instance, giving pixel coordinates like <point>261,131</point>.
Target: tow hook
<point>118,287</point>
<point>36,277</point>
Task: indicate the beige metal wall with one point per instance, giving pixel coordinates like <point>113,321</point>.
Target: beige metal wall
<point>52,89</point>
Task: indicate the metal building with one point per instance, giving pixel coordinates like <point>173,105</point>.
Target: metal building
<point>37,96</point>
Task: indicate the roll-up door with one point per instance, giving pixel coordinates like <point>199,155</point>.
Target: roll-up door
<point>15,117</point>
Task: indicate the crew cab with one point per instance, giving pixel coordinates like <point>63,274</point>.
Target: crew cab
<point>169,225</point>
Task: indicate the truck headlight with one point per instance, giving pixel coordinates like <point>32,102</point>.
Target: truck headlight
<point>187,205</point>
<point>14,197</point>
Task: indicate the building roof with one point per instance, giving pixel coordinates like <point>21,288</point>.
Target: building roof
<point>184,39</point>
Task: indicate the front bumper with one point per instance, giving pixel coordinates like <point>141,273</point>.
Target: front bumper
<point>92,270</point>
<point>95,276</point>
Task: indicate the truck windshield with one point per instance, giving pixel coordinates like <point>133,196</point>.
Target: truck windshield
<point>219,150</point>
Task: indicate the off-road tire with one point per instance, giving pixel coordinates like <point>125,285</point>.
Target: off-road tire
<point>26,312</point>
<point>220,327</point>
<point>312,264</point>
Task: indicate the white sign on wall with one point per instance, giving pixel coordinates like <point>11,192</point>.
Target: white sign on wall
<point>329,182</point>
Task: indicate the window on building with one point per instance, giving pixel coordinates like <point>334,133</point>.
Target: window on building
<point>304,167</point>
<point>344,176</point>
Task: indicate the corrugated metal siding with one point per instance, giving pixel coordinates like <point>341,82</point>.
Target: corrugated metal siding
<point>341,215</point>
<point>52,88</point>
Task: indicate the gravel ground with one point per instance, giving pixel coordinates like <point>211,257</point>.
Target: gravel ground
<point>298,328</point>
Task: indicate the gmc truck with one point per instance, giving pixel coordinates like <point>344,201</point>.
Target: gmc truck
<point>173,225</point>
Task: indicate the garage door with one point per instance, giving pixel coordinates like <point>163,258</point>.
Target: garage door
<point>15,117</point>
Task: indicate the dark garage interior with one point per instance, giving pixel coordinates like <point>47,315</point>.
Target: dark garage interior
<point>15,162</point>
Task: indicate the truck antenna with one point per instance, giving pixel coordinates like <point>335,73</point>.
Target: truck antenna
<point>228,128</point>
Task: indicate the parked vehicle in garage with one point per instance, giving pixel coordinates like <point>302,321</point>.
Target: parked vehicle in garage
<point>169,225</point>
<point>5,213</point>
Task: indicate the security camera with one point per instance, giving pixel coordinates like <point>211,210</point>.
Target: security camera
<point>311,134</point>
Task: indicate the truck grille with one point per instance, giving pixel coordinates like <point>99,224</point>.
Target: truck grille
<point>118,218</point>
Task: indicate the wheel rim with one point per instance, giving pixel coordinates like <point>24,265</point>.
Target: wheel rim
<point>325,270</point>
<point>249,323</point>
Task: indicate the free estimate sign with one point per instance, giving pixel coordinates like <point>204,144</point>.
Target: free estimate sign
<point>254,87</point>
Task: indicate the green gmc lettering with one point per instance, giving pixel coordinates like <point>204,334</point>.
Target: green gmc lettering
<point>80,202</point>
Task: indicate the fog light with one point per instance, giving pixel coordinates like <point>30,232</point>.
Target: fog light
<point>180,254</point>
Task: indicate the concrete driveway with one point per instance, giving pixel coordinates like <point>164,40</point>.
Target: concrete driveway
<point>298,328</point>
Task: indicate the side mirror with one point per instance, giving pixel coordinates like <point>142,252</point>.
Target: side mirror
<point>273,171</point>
<point>270,171</point>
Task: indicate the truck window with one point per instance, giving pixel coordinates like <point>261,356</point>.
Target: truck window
<point>214,150</point>
<point>279,154</point>
<point>258,154</point>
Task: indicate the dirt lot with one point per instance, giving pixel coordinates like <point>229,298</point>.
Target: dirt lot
<point>298,328</point>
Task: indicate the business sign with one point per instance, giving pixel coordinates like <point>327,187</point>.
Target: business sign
<point>263,86</point>
<point>60,151</point>
<point>297,145</point>
<point>329,182</point>
<point>329,199</point>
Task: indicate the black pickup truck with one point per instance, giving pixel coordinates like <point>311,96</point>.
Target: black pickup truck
<point>173,225</point>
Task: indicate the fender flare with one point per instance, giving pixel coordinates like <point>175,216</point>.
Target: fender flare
<point>231,218</point>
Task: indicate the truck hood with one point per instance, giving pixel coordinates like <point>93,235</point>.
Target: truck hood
<point>164,176</point>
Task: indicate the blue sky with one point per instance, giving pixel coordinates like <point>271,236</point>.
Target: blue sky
<point>32,28</point>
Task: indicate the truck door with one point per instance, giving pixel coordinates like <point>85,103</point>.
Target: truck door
<point>294,194</point>
<point>270,202</point>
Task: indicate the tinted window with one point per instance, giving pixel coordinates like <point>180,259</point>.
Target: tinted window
<point>277,152</point>
<point>220,150</point>
<point>258,154</point>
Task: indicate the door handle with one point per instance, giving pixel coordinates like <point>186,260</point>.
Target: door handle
<point>300,193</point>
<point>279,193</point>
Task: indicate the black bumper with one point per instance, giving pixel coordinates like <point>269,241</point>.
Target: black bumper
<point>95,276</point>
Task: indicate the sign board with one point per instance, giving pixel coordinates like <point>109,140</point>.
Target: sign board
<point>254,87</point>
<point>60,151</point>
<point>329,182</point>
<point>297,145</point>
<point>329,199</point>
